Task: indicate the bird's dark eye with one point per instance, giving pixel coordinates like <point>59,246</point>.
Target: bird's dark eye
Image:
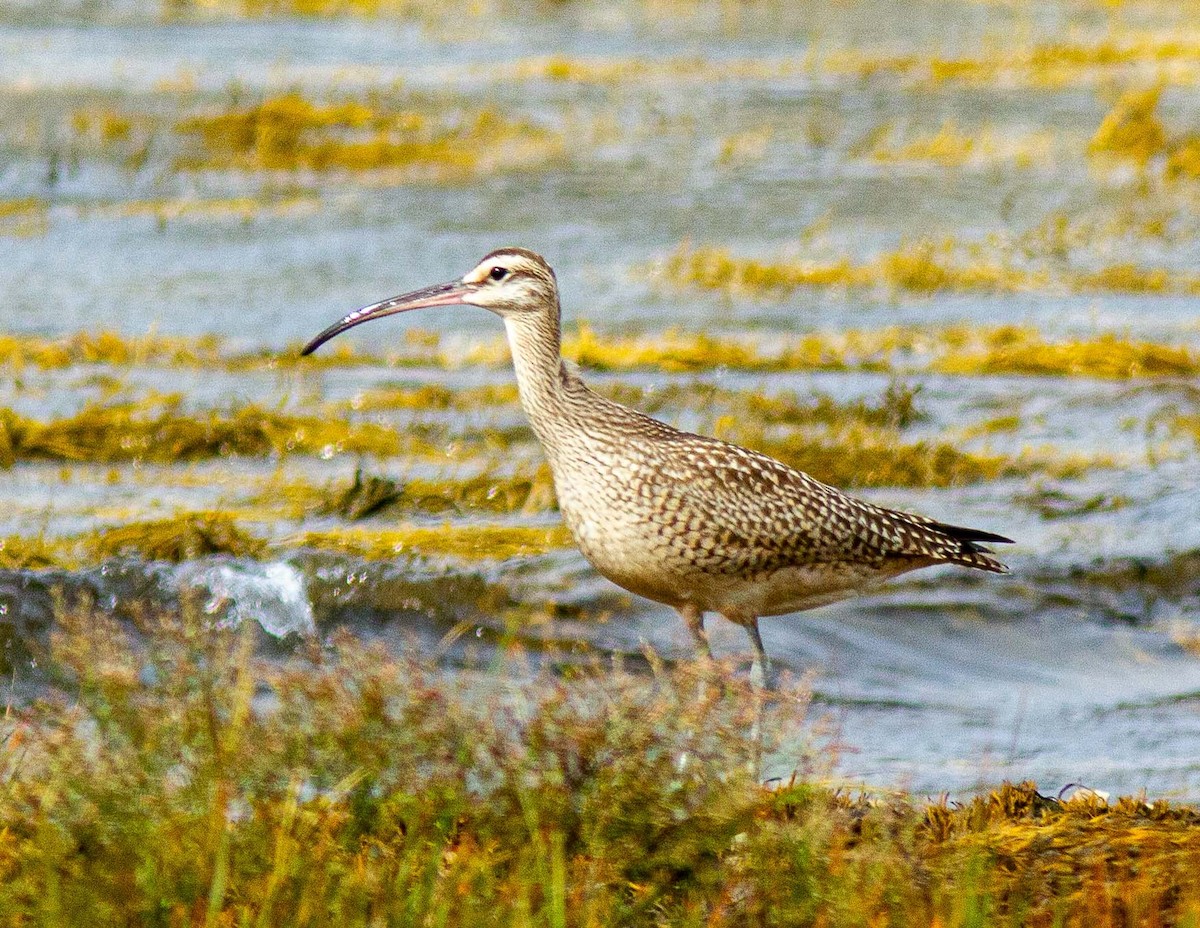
<point>498,273</point>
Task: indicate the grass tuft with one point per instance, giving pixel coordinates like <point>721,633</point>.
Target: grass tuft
<point>375,790</point>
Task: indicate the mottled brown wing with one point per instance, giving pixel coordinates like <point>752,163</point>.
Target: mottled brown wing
<point>766,514</point>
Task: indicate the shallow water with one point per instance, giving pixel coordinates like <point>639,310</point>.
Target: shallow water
<point>729,130</point>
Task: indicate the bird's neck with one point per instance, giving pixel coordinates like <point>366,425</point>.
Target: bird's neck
<point>536,344</point>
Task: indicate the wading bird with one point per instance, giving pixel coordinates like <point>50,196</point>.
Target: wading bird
<point>694,522</point>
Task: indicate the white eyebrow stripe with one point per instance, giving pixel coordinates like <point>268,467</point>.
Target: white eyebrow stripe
<point>512,262</point>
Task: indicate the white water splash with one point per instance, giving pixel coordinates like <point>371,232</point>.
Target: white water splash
<point>273,595</point>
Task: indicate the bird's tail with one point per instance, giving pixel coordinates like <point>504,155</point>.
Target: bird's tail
<point>964,548</point>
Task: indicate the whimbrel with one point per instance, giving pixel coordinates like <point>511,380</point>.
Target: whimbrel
<point>687,520</point>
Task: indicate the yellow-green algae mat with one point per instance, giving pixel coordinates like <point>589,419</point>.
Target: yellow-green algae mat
<point>374,790</point>
<point>187,536</point>
<point>847,444</point>
<point>963,350</point>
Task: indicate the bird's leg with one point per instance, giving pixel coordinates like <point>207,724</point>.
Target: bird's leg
<point>760,670</point>
<point>759,673</point>
<point>693,616</point>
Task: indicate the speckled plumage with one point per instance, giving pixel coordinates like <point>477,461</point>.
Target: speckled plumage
<point>687,520</point>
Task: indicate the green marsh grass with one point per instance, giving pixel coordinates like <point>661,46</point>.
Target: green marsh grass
<point>182,780</point>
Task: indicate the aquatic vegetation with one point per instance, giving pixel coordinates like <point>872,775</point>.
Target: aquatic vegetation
<point>291,133</point>
<point>158,431</point>
<point>959,349</point>
<point>205,351</point>
<point>115,135</point>
<point>851,444</point>
<point>459,542</point>
<point>25,216</point>
<point>103,347</point>
<point>1118,54</point>
<point>743,148</point>
<point>492,490</point>
<point>1054,503</point>
<point>675,351</point>
<point>366,495</point>
<point>897,407</point>
<point>1184,159</point>
<point>25,206</point>
<point>1022,351</point>
<point>950,146</point>
<point>26,553</point>
<point>921,267</point>
<point>994,426</point>
<point>681,69</point>
<point>1187,424</point>
<point>189,535</point>
<point>370,787</point>
<point>485,492</point>
<point>1172,577</point>
<point>104,125</point>
<point>856,457</point>
<point>1132,129</point>
<point>716,269</point>
<point>433,396</point>
<point>181,538</point>
<point>856,443</point>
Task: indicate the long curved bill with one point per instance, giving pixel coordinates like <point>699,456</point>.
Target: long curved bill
<point>447,294</point>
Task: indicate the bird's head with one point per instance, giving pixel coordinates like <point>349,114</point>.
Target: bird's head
<point>510,282</point>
